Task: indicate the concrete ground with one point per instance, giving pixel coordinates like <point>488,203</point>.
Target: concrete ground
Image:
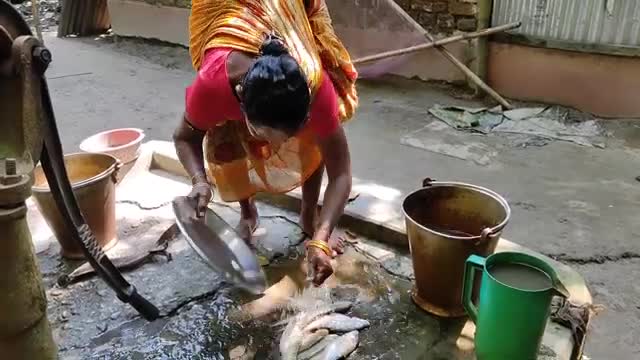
<point>577,204</point>
<point>202,317</point>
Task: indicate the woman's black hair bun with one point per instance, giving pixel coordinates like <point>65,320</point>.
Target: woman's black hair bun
<point>273,46</point>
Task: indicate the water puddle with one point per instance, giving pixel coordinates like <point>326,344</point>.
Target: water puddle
<point>234,325</point>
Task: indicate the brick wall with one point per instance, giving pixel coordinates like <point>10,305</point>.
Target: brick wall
<point>175,3</point>
<point>443,16</point>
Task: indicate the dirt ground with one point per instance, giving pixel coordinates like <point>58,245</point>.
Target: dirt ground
<point>574,203</point>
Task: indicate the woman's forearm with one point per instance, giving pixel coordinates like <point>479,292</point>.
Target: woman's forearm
<point>192,160</point>
<point>188,144</point>
<point>335,199</point>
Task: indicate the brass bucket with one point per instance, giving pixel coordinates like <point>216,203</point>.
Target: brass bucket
<point>446,223</point>
<point>93,178</point>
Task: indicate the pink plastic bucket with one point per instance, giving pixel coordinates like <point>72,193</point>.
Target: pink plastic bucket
<point>123,144</point>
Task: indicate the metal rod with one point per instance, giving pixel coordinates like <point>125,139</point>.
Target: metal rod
<point>62,25</point>
<point>35,9</point>
<point>481,64</point>
<point>447,54</point>
<point>441,42</point>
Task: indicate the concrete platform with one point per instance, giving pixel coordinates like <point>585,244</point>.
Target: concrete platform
<point>198,309</point>
<point>367,215</point>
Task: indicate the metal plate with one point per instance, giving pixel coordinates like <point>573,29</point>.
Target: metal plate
<point>219,246</point>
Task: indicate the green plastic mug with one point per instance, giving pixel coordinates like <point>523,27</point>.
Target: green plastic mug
<point>510,320</point>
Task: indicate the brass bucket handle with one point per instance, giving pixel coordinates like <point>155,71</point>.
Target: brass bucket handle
<point>428,182</point>
<point>116,171</point>
<point>487,233</point>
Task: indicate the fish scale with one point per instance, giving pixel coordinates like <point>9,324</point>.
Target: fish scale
<point>318,348</point>
<point>337,323</point>
<point>293,333</point>
<point>313,338</point>
<point>341,347</point>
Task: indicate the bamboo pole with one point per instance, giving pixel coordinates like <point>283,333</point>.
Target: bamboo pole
<point>449,56</point>
<point>441,42</point>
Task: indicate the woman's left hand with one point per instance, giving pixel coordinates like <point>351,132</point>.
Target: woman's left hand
<point>320,264</point>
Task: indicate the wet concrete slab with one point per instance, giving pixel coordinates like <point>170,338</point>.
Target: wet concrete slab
<point>203,329</point>
<point>199,311</point>
<point>376,212</point>
<point>89,309</point>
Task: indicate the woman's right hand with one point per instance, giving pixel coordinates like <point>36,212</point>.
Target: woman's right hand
<point>202,193</point>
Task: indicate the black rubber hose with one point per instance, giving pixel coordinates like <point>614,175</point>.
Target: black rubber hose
<point>58,197</point>
<point>56,173</point>
<point>143,306</point>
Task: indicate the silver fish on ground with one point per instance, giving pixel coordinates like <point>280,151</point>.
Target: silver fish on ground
<point>337,323</point>
<point>317,349</point>
<point>293,334</point>
<point>341,347</point>
<point>338,307</point>
<point>311,338</point>
<point>292,338</point>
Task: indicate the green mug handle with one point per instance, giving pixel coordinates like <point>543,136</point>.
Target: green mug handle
<point>471,266</point>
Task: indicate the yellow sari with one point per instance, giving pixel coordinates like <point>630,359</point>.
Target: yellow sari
<point>243,25</point>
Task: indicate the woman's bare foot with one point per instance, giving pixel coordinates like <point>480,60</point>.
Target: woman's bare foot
<point>249,221</point>
<point>337,244</point>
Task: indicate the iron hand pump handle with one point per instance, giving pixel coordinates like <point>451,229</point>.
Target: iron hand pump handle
<point>53,165</point>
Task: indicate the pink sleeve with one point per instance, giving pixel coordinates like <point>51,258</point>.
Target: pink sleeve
<point>209,99</point>
<point>199,100</point>
<point>325,119</point>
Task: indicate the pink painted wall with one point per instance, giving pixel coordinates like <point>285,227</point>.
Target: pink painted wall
<point>607,86</point>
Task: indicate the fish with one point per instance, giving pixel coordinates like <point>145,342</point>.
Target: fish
<point>294,331</point>
<point>312,338</point>
<point>292,338</point>
<point>309,305</point>
<point>337,323</point>
<point>337,307</point>
<point>341,347</point>
<point>317,349</point>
